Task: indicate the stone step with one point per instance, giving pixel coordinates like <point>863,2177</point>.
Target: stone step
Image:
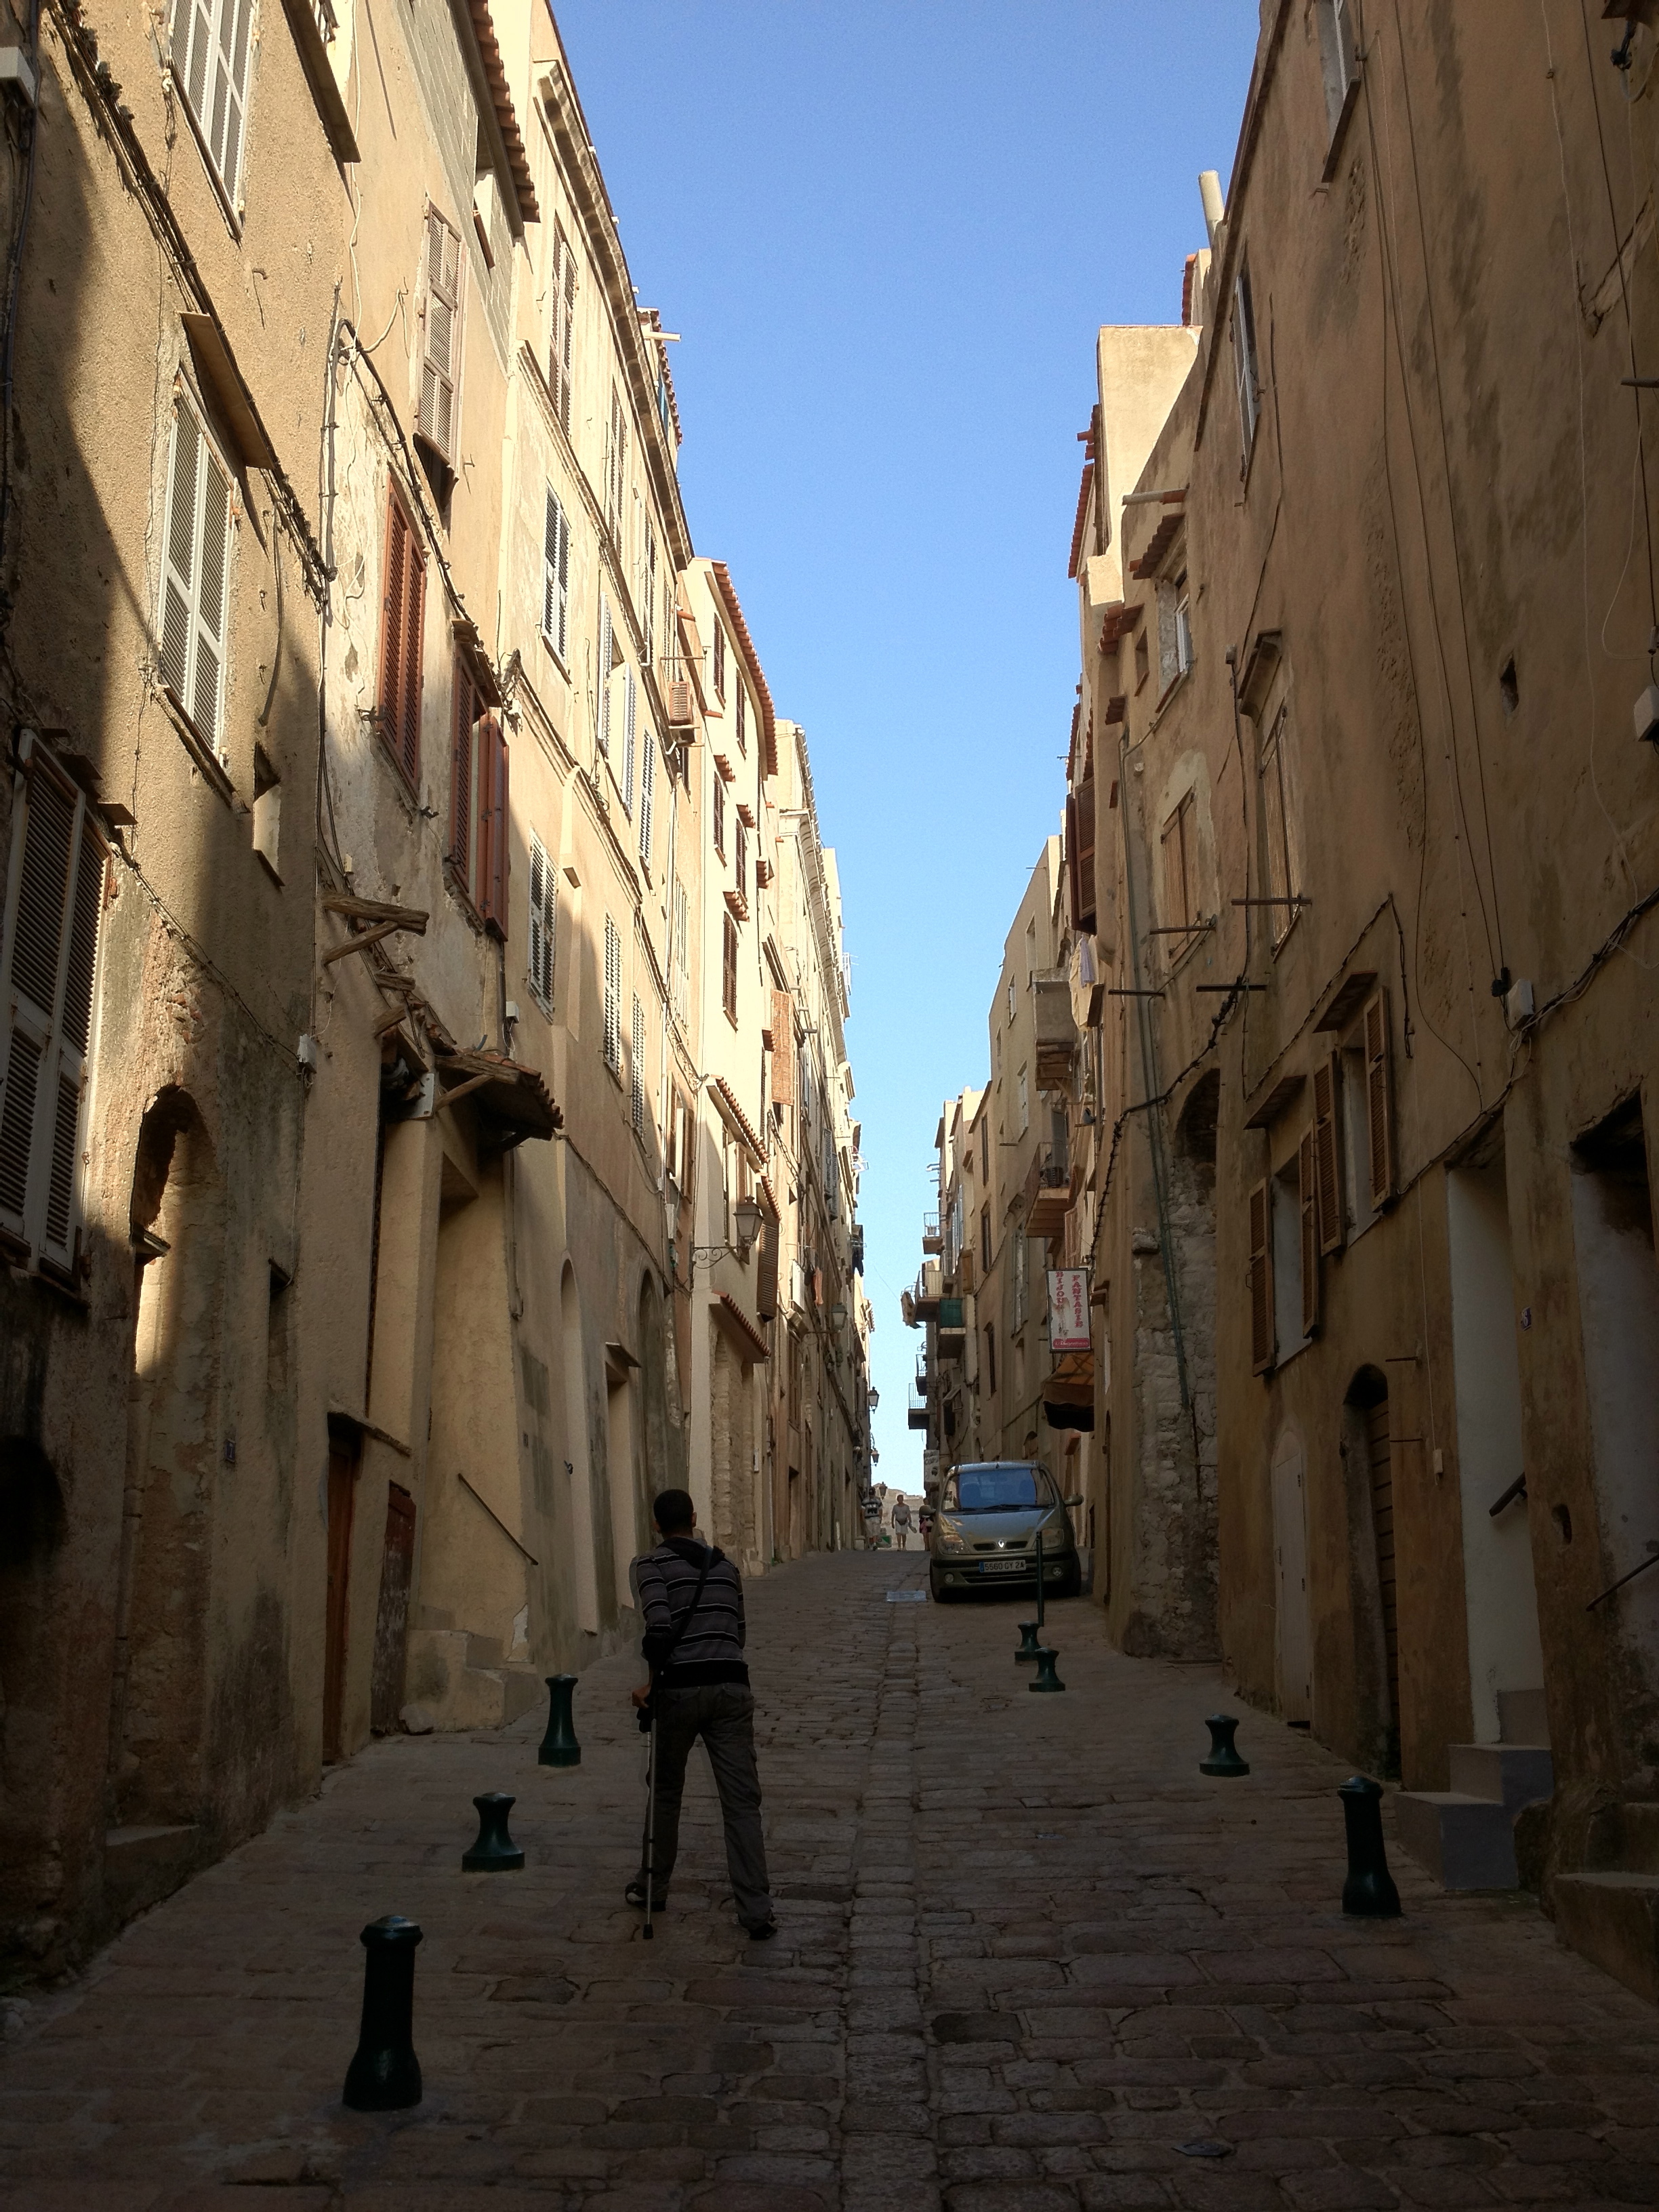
<point>1612,1919</point>
<point>1511,1774</point>
<point>443,1676</point>
<point>1465,1842</point>
<point>143,1865</point>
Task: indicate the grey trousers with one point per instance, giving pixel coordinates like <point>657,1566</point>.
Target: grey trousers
<point>723,1714</point>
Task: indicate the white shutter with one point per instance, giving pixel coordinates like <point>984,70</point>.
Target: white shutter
<point>555,576</point>
<point>178,579</point>
<point>604,677</point>
<point>648,792</point>
<point>48,959</point>
<point>196,574</point>
<point>441,338</point>
<point>211,43</point>
<point>564,317</point>
<point>613,996</point>
<point>637,1068</point>
<point>542,896</point>
<point>631,717</point>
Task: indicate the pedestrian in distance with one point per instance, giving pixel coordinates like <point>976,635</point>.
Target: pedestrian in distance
<point>902,1521</point>
<point>690,1597</point>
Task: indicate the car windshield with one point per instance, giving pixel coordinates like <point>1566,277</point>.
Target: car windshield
<point>997,1489</point>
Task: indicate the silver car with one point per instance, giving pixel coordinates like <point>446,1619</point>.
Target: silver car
<point>985,1532</point>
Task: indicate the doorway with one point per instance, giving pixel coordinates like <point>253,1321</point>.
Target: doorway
<point>391,1621</point>
<point>1293,1636</point>
<point>344,1450</point>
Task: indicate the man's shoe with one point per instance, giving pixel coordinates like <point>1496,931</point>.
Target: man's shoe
<point>635,1894</point>
<point>764,1931</point>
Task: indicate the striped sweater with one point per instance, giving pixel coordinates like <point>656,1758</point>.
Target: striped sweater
<point>666,1582</point>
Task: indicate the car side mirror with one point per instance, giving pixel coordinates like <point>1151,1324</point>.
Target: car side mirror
<point>1072,1501</point>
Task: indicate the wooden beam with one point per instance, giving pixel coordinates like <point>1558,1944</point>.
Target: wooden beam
<point>461,1090</point>
<point>361,942</point>
<point>361,910</point>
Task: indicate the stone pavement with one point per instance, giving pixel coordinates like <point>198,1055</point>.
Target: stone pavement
<point>1028,1953</point>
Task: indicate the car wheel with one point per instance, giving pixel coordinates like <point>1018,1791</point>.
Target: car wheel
<point>1073,1585</point>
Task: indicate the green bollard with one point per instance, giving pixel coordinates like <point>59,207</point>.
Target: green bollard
<point>1029,1646</point>
<point>1047,1679</point>
<point>1369,1890</point>
<point>495,1852</point>
<point>1224,1757</point>
<point>384,2074</point>
<point>559,1746</point>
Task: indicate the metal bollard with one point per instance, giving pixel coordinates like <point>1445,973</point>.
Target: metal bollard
<point>559,1746</point>
<point>384,2074</point>
<point>1045,1677</point>
<point>1224,1757</point>
<point>495,1852</point>
<point>1369,1890</point>
<point>1029,1646</point>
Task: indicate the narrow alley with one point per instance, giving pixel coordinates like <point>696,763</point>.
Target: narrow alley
<point>1030,1960</point>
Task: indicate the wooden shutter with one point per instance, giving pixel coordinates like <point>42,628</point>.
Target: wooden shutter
<point>648,792</point>
<point>556,577</point>
<point>1328,1173</point>
<point>1085,854</point>
<point>1262,1279</point>
<point>766,1272</point>
<point>440,347</point>
<point>57,885</point>
<point>402,609</point>
<point>743,704</point>
<point>605,650</point>
<point>1379,1102</point>
<point>1307,1186</point>
<point>489,892</point>
<point>783,1049</point>
<point>467,708</point>
<point>564,322</point>
<point>729,967</point>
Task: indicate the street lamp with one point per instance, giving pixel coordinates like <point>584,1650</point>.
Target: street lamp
<point>746,1218</point>
<point>838,1316</point>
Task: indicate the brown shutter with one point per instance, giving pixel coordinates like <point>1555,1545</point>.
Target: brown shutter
<point>468,707</point>
<point>1379,1107</point>
<point>766,1278</point>
<point>729,968</point>
<point>401,612</point>
<point>1328,1178</point>
<point>1262,1280</point>
<point>489,893</point>
<point>1085,852</point>
<point>1072,882</point>
<point>1307,1196</point>
<point>783,1049</point>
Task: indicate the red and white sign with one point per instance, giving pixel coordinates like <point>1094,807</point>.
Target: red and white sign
<point>1068,1309</point>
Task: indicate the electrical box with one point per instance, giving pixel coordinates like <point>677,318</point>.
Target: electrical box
<point>1646,716</point>
<point>17,76</point>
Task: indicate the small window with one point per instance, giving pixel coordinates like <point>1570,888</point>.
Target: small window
<point>195,589</point>
<point>636,1071</point>
<point>1023,1100</point>
<point>719,661</point>
<point>1338,61</point>
<point>440,342</point>
<point>682,952</point>
<point>740,860</point>
<point>607,669</point>
<point>1022,1279</point>
<point>403,602</point>
<point>985,1240</point>
<point>985,1155</point>
<point>630,736</point>
<point>616,467</point>
<point>1183,626</point>
<point>1180,851</point>
<point>990,1359</point>
<point>647,792</point>
<point>648,591</point>
<point>211,43</point>
<point>719,815</point>
<point>1010,997</point>
<point>1246,374</point>
<point>612,997</point>
<point>729,969</point>
<point>742,718</point>
<point>267,810</point>
<point>560,340</point>
<point>1143,660</point>
<point>1282,829</point>
<point>556,577</point>
<point>543,921</point>
<point>1030,949</point>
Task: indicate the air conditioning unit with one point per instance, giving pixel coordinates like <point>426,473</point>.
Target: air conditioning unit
<point>679,702</point>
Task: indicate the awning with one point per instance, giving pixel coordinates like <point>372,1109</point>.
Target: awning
<point>513,1097</point>
<point>751,1344</point>
<point>725,1099</point>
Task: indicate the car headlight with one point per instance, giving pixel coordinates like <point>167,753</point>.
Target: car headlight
<point>949,1536</point>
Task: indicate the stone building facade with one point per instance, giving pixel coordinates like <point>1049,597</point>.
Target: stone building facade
<point>359,1076</point>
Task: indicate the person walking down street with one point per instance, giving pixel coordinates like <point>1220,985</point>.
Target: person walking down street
<point>690,1597</point>
<point>902,1523</point>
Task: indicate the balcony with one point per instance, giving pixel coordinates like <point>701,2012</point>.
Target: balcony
<point>931,1241</point>
<point>1046,1198</point>
<point>924,1299</point>
<point>917,1416</point>
<point>952,1336</point>
<point>1055,1029</point>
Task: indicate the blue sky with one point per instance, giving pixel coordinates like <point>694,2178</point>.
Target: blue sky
<point>887,231</point>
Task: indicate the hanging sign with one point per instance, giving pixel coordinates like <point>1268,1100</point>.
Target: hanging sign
<point>1068,1309</point>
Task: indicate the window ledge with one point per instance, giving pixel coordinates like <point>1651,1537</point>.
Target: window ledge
<point>1334,151</point>
<point>555,655</point>
<point>201,752</point>
<point>269,866</point>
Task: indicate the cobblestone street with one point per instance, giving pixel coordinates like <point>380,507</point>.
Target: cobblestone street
<point>1028,1953</point>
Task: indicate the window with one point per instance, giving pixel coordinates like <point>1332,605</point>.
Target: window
<point>720,662</point>
<point>564,324</point>
<point>1021,1280</point>
<point>985,1155</point>
<point>743,715</point>
<point>211,43</point>
<point>1281,829</point>
<point>1339,63</point>
<point>636,1070</point>
<point>1143,660</point>
<point>1030,949</point>
<point>719,814</point>
<point>615,466</point>
<point>478,807</point>
<point>1010,997</point>
<point>647,792</point>
<point>648,594</point>
<point>990,1359</point>
<point>740,869</point>
<point>544,921</point>
<point>729,969</point>
<point>1024,1100</point>
<point>630,724</point>
<point>681,951</point>
<point>985,1240</point>
<point>267,810</point>
<point>398,707</point>
<point>612,998</point>
<point>440,341</point>
<point>556,577</point>
<point>1180,848</point>
<point>1183,626</point>
<point>196,573</point>
<point>48,964</point>
<point>1245,372</point>
<point>607,662</point>
<point>1080,853</point>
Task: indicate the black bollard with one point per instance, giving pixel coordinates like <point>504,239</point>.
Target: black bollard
<point>559,1746</point>
<point>1045,1677</point>
<point>1029,1646</point>
<point>495,1852</point>
<point>384,2074</point>
<point>1369,1890</point>
<point>1224,1757</point>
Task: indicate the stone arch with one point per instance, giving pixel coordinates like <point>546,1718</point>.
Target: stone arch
<point>158,1713</point>
<point>1195,1128</point>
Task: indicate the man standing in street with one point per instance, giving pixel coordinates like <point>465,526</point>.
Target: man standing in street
<point>902,1521</point>
<point>691,1597</point>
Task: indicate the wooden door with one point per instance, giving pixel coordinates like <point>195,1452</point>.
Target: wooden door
<point>1295,1637</point>
<point>392,1622</point>
<point>1381,1472</point>
<point>342,1489</point>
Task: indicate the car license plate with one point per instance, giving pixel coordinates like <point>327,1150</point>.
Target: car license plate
<point>1003,1566</point>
